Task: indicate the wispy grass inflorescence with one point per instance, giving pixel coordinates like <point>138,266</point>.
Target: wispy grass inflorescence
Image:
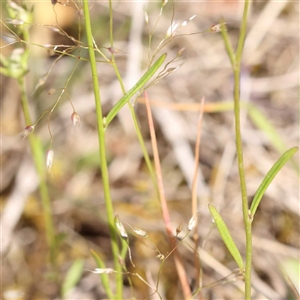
<point>83,48</point>
<point>24,134</point>
<point>49,159</point>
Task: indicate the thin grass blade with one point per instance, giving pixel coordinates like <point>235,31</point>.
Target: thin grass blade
<point>73,276</point>
<point>226,237</point>
<point>266,126</point>
<point>136,88</point>
<point>104,277</point>
<point>269,178</point>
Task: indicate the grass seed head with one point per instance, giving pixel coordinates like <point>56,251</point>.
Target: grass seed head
<point>140,232</point>
<point>172,29</point>
<point>28,129</point>
<point>104,271</point>
<point>160,256</point>
<point>146,16</point>
<point>185,22</point>
<point>218,27</point>
<point>15,22</point>
<point>179,53</point>
<point>179,229</point>
<point>75,119</point>
<point>192,223</point>
<point>164,2</point>
<point>49,159</point>
<point>121,228</point>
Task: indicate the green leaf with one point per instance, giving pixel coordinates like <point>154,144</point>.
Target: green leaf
<point>137,87</point>
<point>72,277</point>
<point>226,237</point>
<point>269,178</point>
<point>104,277</point>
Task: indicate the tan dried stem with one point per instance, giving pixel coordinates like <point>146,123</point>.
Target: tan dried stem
<point>194,195</point>
<point>165,211</point>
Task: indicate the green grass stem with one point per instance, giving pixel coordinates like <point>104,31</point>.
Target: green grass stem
<point>38,157</point>
<point>235,59</point>
<point>39,161</point>
<point>130,106</point>
<point>102,153</point>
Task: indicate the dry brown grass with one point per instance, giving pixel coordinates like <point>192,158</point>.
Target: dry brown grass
<point>270,78</point>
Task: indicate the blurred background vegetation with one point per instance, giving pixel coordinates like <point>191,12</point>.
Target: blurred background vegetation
<point>270,83</point>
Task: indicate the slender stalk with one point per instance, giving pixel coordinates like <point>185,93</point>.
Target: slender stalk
<point>239,147</point>
<point>111,28</point>
<point>235,59</point>
<point>197,260</point>
<point>137,128</point>
<point>164,207</point>
<point>102,153</point>
<point>243,30</point>
<point>131,108</point>
<point>38,157</point>
<point>245,207</point>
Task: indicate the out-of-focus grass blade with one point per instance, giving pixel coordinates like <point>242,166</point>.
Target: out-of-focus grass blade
<point>226,237</point>
<point>137,87</point>
<point>104,277</point>
<point>72,277</point>
<point>291,272</point>
<point>269,178</point>
<point>264,124</point>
